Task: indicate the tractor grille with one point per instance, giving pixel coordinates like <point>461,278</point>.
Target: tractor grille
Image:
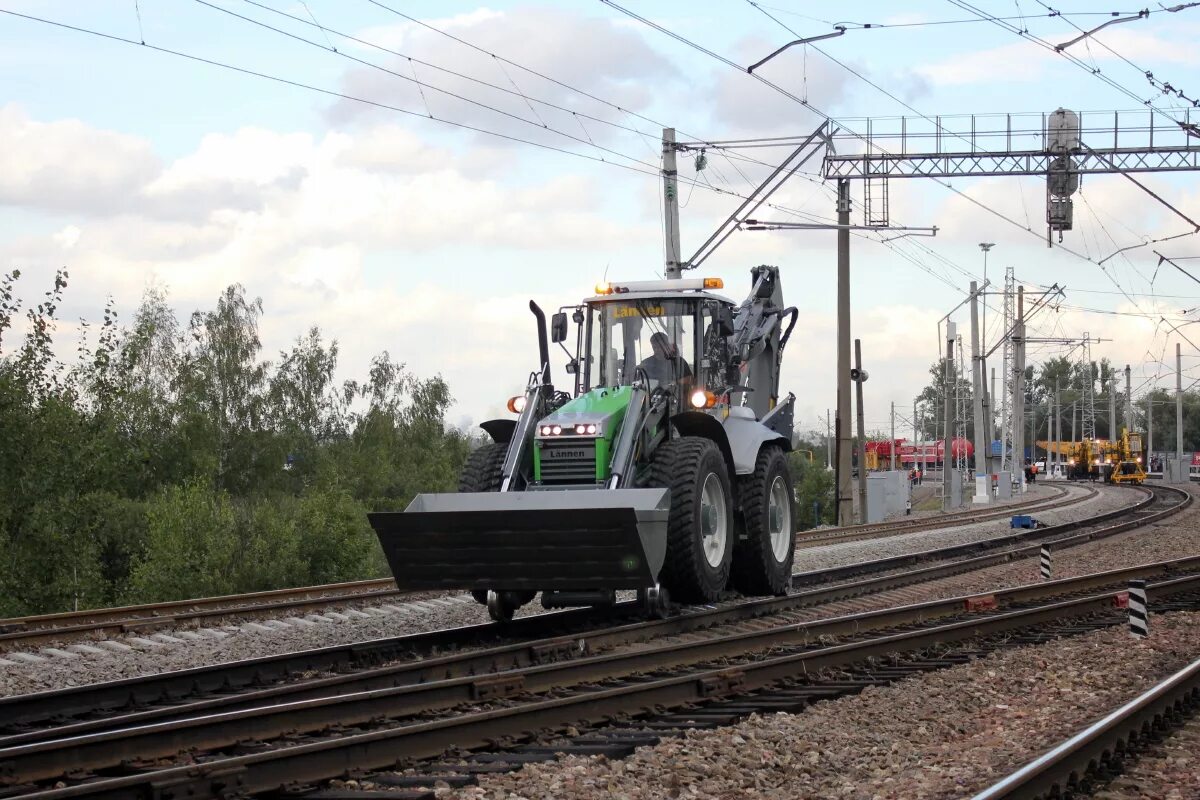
<point>569,461</point>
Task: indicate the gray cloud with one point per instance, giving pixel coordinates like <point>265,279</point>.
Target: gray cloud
<point>592,53</point>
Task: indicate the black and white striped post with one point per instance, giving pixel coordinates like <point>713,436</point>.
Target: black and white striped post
<point>1139,623</point>
<point>1045,558</point>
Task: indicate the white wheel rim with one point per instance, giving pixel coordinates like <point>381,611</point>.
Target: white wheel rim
<point>714,521</point>
<point>779,518</point>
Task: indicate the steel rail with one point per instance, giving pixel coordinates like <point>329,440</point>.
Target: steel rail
<point>479,670</point>
<point>858,532</point>
<point>149,616</point>
<point>1068,764</point>
<point>182,685</point>
<point>271,768</point>
<point>1153,495</point>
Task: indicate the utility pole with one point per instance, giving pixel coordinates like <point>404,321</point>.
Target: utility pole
<point>1128,399</point>
<point>1008,413</point>
<point>859,378</point>
<point>1149,427</point>
<point>948,415</point>
<point>674,269</point>
<point>892,446</point>
<point>1179,413</point>
<point>1057,426</point>
<point>993,434</point>
<point>842,477</point>
<point>1018,393</point>
<point>1112,409</point>
<point>828,441</point>
<point>983,489</point>
<point>1074,416</point>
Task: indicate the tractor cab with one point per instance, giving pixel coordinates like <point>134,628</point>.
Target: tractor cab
<point>656,344</point>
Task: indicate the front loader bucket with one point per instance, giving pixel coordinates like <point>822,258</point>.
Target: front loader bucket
<point>534,540</point>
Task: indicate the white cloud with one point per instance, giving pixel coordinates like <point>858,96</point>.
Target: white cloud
<point>66,165</point>
<point>68,237</point>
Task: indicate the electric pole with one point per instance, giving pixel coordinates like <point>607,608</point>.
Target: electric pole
<point>983,490</point>
<point>948,414</point>
<point>1179,415</point>
<point>1057,426</point>
<point>842,420</point>
<point>1149,428</point>
<point>892,446</point>
<point>828,441</point>
<point>859,378</point>
<point>1018,393</point>
<point>1128,400</point>
<point>1112,408</point>
<point>674,269</point>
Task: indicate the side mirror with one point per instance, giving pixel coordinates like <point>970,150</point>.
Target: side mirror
<point>723,320</point>
<point>558,327</point>
<point>572,367</point>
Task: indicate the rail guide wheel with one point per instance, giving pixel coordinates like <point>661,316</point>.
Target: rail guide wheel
<point>655,601</point>
<point>500,606</point>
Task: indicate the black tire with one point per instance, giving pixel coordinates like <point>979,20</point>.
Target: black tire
<point>483,472</point>
<point>683,465</point>
<point>484,468</point>
<point>757,570</point>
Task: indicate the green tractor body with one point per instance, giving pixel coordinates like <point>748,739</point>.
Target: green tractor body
<point>662,470</point>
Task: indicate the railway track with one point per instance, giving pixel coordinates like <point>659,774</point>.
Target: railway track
<point>1084,764</point>
<point>309,741</point>
<point>410,692</point>
<point>24,632</point>
<point>856,533</point>
<point>546,636</point>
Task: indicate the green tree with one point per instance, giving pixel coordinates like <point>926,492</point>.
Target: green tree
<point>191,545</point>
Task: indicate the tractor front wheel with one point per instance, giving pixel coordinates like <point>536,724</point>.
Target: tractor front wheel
<point>763,555</point>
<point>700,525</point>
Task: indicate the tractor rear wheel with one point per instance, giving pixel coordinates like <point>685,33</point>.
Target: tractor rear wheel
<point>483,472</point>
<point>700,525</point>
<point>484,468</point>
<point>762,559</point>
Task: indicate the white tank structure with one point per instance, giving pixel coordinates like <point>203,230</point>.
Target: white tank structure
<point>1062,181</point>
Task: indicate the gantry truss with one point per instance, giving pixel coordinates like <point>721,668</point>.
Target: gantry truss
<point>1009,144</point>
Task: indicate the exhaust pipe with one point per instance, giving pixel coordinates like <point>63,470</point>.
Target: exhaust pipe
<point>543,342</point>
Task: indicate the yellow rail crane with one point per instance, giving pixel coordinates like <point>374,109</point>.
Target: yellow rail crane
<point>1126,460</point>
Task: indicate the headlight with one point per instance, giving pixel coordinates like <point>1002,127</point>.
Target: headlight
<point>556,430</point>
<point>516,404</point>
<point>591,430</point>
<point>703,399</point>
<point>545,430</point>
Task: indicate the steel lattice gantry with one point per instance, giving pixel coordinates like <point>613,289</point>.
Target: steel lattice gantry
<point>1102,142</point>
<point>1031,162</point>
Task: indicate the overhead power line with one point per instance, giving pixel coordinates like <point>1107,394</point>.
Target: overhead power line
<point>640,167</point>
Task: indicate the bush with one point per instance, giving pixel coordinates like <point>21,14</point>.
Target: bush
<point>269,550</point>
<point>191,545</point>
<point>814,484</point>
<point>336,540</point>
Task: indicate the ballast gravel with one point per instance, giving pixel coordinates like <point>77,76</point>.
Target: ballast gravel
<point>125,658</point>
<point>836,555</point>
<point>945,734</point>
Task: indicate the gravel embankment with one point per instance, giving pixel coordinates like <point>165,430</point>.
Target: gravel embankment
<point>946,734</point>
<point>132,656</point>
<point>836,555</point>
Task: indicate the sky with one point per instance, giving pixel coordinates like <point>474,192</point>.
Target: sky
<point>407,175</point>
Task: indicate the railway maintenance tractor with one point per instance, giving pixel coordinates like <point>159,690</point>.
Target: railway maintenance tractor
<point>1126,466</point>
<point>661,466</point>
